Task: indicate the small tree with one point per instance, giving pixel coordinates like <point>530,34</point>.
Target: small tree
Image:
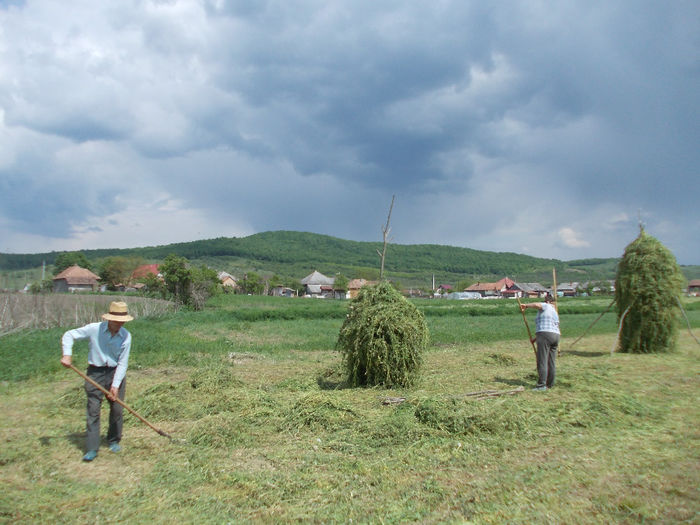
<point>189,286</point>
<point>117,270</point>
<point>155,286</point>
<point>383,338</point>
<point>647,287</point>
<point>177,277</point>
<point>274,282</point>
<point>66,259</point>
<point>205,284</point>
<point>251,284</point>
<point>341,283</point>
<point>45,286</point>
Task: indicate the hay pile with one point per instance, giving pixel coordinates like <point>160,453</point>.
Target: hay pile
<point>382,339</point>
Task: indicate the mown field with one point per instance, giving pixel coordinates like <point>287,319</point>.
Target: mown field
<point>272,435</point>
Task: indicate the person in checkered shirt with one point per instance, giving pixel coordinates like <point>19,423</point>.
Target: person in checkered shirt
<point>547,338</point>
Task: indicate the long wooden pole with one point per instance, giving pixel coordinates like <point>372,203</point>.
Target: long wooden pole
<point>591,325</point>
<point>619,330</point>
<point>556,304</point>
<point>529,333</point>
<point>385,233</point>
<point>105,392</point>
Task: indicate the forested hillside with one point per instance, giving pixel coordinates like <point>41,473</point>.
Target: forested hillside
<point>296,254</point>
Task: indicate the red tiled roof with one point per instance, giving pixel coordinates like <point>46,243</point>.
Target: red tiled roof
<point>354,284</point>
<point>505,282</point>
<point>498,286</point>
<point>483,287</point>
<point>143,271</point>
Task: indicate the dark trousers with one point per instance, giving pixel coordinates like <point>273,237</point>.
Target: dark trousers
<point>547,347</point>
<point>103,376</point>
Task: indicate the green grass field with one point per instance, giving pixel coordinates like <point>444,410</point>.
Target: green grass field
<point>253,387</point>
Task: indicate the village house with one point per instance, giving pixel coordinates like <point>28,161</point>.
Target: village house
<point>135,281</point>
<point>283,291</point>
<point>443,289</point>
<point>569,289</point>
<point>144,271</point>
<point>227,280</point>
<point>491,289</point>
<point>75,279</point>
<point>318,285</point>
<point>525,290</point>
<point>596,287</point>
<point>354,286</point>
<point>694,288</point>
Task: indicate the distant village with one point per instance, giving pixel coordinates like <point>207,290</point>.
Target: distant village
<point>318,285</point>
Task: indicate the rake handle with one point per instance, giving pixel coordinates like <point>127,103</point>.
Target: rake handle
<point>106,392</point>
<point>556,305</point>
<point>529,333</point>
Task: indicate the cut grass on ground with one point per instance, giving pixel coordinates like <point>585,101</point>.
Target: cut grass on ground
<point>275,437</point>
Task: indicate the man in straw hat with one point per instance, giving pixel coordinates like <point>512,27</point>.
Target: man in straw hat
<point>108,357</point>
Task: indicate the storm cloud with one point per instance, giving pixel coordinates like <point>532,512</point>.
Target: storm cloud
<point>523,126</point>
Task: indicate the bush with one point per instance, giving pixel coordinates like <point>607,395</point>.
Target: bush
<point>648,282</point>
<point>382,339</point>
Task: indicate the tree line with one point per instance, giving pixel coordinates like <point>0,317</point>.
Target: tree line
<point>280,249</point>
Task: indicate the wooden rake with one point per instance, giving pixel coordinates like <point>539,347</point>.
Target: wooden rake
<point>136,414</point>
<point>529,333</point>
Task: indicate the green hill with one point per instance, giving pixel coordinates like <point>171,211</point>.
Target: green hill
<point>296,254</point>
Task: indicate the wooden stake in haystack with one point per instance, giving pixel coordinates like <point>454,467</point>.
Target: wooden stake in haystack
<point>385,234</point>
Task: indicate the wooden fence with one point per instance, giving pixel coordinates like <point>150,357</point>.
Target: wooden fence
<point>20,311</point>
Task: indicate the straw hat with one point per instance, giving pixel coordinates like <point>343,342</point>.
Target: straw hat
<point>117,312</point>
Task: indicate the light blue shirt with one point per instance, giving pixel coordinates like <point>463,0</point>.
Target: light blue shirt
<point>105,349</point>
<point>547,319</point>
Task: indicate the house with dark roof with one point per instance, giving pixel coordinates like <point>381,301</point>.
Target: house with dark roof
<point>569,289</point>
<point>76,279</point>
<point>283,291</point>
<point>525,290</point>
<point>318,285</point>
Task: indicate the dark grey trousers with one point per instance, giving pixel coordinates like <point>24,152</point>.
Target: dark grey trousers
<point>103,376</point>
<point>547,347</point>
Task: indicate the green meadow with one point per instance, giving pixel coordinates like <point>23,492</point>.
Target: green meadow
<point>266,431</point>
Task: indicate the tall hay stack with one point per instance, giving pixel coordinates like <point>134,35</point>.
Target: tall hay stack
<point>647,287</point>
<point>382,339</point>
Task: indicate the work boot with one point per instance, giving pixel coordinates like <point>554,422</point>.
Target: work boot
<point>90,455</point>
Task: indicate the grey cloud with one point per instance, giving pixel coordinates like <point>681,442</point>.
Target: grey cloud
<point>469,111</point>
